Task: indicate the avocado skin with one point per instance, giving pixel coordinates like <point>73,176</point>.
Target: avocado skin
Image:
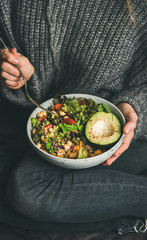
<point>113,121</point>
<point>105,147</point>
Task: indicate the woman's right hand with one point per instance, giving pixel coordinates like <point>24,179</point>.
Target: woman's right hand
<point>9,74</point>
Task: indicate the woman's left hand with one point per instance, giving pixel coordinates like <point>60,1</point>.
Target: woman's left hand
<point>131,121</point>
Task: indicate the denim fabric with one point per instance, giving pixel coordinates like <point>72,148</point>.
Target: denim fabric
<point>48,193</point>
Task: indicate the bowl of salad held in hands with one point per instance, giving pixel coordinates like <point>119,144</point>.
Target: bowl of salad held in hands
<point>79,131</point>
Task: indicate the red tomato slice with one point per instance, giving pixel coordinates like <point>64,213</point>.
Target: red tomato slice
<point>58,106</point>
<point>41,119</point>
<point>69,121</point>
<point>84,101</point>
<point>48,126</point>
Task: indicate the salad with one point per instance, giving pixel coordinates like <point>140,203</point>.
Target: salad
<point>62,132</point>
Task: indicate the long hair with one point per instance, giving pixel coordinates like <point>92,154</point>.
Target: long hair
<point>131,12</point>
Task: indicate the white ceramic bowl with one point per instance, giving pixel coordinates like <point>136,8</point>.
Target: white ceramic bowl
<point>84,162</point>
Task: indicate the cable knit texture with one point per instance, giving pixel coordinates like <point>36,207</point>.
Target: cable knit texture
<point>80,46</point>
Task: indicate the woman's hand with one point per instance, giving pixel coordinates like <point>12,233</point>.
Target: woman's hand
<point>131,121</point>
<point>9,74</point>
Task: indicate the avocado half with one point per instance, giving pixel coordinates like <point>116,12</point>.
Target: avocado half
<point>103,129</point>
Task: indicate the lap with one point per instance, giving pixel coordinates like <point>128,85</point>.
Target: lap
<point>45,192</point>
<point>38,188</point>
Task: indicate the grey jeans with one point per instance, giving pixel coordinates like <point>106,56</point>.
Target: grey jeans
<point>48,193</point>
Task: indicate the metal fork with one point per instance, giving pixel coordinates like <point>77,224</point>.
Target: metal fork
<point>25,83</point>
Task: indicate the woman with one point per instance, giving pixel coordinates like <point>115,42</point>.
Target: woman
<point>68,47</point>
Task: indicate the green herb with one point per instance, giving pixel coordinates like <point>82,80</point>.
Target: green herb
<point>51,151</point>
<point>68,127</point>
<point>103,108</point>
<point>82,153</point>
<point>106,109</point>
<point>48,145</point>
<point>80,127</point>
<point>64,129</point>
<point>33,121</point>
<point>56,128</point>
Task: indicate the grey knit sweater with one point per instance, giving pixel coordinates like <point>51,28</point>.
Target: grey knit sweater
<point>85,46</point>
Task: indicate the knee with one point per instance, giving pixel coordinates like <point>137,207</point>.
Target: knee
<point>16,194</point>
<point>32,196</point>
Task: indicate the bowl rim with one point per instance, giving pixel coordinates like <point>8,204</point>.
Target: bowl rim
<point>71,159</point>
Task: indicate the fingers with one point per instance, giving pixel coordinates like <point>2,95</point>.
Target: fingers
<point>10,83</point>
<point>125,145</point>
<point>9,80</point>
<point>10,75</point>
<point>8,56</point>
<point>131,118</point>
<point>130,126</point>
<point>14,52</point>
<point>8,68</point>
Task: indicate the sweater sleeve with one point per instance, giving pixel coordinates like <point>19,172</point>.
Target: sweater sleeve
<point>35,85</point>
<point>137,98</point>
<point>135,92</point>
<point>135,89</point>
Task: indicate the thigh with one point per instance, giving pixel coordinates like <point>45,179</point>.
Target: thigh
<point>49,193</point>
